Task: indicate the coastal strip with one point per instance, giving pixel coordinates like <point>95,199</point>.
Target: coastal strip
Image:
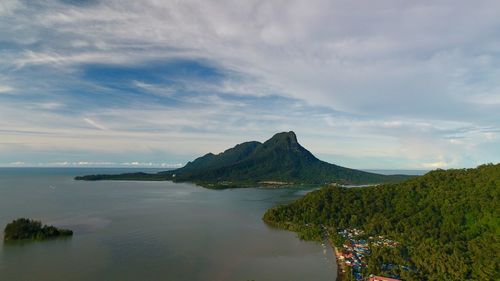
<point>340,265</point>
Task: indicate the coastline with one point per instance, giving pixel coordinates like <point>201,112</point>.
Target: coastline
<point>340,265</point>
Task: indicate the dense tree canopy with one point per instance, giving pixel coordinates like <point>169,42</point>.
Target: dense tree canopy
<point>27,229</point>
<point>448,221</point>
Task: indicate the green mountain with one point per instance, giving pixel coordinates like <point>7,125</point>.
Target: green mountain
<point>279,160</point>
<point>446,221</point>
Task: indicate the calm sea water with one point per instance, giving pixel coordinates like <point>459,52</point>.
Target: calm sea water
<point>151,231</point>
<point>399,172</point>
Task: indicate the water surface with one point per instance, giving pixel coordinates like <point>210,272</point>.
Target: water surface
<point>151,231</point>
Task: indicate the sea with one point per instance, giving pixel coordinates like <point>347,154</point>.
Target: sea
<point>129,230</point>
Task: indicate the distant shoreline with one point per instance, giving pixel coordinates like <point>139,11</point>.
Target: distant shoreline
<point>89,167</point>
<point>380,171</point>
<point>411,172</point>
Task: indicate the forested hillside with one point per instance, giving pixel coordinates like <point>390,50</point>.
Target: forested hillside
<point>446,220</point>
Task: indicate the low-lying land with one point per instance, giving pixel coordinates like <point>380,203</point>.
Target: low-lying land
<point>27,229</point>
<point>446,223</point>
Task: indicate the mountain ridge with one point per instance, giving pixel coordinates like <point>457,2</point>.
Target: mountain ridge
<point>279,159</point>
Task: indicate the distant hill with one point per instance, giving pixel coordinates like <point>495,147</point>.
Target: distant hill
<point>448,222</point>
<point>280,160</point>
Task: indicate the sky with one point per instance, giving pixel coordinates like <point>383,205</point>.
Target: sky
<point>156,83</point>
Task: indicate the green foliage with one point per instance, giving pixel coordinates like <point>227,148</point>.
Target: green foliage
<point>448,221</point>
<point>27,229</point>
<point>280,159</point>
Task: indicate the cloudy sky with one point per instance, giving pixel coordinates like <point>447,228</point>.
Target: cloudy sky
<point>364,84</point>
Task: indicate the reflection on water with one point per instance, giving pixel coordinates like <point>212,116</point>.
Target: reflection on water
<point>152,231</point>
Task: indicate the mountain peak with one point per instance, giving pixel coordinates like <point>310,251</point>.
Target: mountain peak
<point>291,137</point>
<point>281,158</point>
<point>288,139</point>
<point>282,135</point>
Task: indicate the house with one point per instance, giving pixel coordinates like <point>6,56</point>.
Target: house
<point>348,255</point>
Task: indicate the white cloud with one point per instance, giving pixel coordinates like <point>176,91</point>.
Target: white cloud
<point>406,76</point>
<point>155,89</point>
<point>48,105</point>
<point>435,165</point>
<point>8,7</point>
<point>344,55</point>
<point>6,89</point>
<point>95,124</point>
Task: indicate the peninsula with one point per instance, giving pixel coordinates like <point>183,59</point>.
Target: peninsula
<point>280,160</point>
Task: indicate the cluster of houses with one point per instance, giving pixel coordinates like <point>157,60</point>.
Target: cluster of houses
<point>381,241</point>
<point>354,251</point>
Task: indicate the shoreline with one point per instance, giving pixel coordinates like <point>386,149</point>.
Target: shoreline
<point>340,265</point>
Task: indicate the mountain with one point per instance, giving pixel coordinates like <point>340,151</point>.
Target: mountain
<point>447,222</point>
<point>280,160</point>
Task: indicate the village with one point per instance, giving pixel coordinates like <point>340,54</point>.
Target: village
<point>353,254</point>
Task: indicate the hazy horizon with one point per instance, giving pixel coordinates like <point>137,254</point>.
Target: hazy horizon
<point>159,168</point>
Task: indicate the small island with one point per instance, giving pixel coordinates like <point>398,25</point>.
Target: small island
<point>28,229</point>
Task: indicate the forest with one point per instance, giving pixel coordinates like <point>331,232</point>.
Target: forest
<point>447,222</point>
<point>28,229</point>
